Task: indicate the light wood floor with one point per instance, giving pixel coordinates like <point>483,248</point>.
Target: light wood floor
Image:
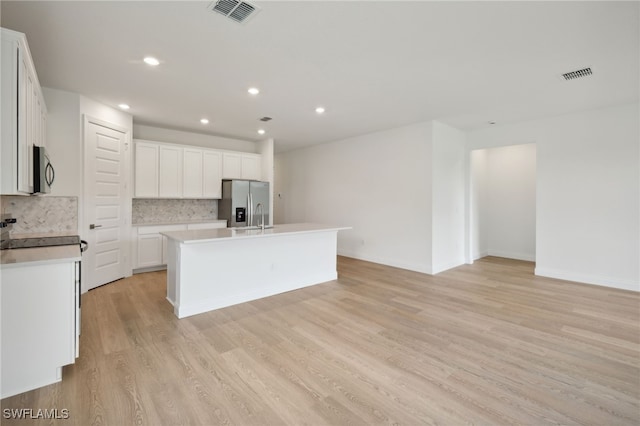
<point>487,343</point>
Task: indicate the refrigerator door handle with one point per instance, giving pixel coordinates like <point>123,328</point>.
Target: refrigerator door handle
<point>248,218</point>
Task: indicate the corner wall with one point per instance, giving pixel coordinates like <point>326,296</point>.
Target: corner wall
<point>448,192</point>
<point>379,184</point>
<point>588,193</point>
<point>503,202</point>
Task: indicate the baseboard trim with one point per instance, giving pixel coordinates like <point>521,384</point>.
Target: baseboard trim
<point>425,269</point>
<point>445,267</point>
<point>588,279</point>
<point>512,255</point>
<point>150,269</point>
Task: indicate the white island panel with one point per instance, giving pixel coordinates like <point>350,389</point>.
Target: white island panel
<point>209,271</point>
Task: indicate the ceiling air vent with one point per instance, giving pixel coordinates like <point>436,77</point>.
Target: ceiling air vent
<point>577,74</point>
<point>266,119</point>
<point>239,11</point>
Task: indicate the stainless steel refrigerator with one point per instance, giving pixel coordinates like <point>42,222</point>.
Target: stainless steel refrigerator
<point>244,202</point>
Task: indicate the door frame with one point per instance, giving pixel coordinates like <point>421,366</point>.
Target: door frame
<point>471,208</point>
<point>83,222</point>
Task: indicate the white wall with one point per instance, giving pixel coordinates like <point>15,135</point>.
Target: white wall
<point>159,134</point>
<point>448,202</point>
<point>379,183</point>
<point>478,196</point>
<point>588,193</point>
<point>504,202</point>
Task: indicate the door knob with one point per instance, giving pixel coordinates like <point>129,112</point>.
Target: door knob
<point>94,226</point>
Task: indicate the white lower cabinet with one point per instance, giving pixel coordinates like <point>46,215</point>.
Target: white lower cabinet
<point>40,320</point>
<point>149,250</point>
<point>151,247</point>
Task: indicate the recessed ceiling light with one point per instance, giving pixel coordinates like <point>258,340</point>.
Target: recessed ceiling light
<point>150,60</point>
<point>253,90</point>
<point>204,121</point>
<point>261,131</point>
<point>124,106</point>
<point>320,110</point>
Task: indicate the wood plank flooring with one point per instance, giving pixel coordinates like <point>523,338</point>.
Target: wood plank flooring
<point>487,343</point>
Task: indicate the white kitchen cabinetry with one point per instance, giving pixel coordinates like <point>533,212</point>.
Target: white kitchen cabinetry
<point>251,167</point>
<point>231,165</point>
<point>151,247</point>
<point>40,320</point>
<point>171,168</point>
<point>23,113</point>
<point>149,250</point>
<point>202,175</point>
<point>192,173</point>
<point>237,165</point>
<point>177,171</point>
<point>212,174</point>
<point>146,170</point>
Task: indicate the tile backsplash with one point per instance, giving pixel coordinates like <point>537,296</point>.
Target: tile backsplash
<point>41,214</point>
<point>145,211</point>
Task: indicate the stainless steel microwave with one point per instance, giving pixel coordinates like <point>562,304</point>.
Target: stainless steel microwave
<point>43,173</point>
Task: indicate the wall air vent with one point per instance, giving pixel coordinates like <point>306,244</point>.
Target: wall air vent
<point>577,74</point>
<point>266,119</point>
<point>236,10</point>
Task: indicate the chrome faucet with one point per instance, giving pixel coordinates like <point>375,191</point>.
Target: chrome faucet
<point>259,206</point>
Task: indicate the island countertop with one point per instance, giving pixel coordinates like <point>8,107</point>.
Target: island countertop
<point>213,268</point>
<point>209,235</point>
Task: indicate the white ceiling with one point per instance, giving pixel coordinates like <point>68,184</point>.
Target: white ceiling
<point>373,65</point>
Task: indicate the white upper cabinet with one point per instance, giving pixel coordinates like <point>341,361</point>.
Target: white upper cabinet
<point>24,114</point>
<point>192,181</point>
<point>241,165</point>
<point>231,165</point>
<point>177,171</point>
<point>146,170</point>
<point>212,174</point>
<point>251,167</point>
<point>170,171</point>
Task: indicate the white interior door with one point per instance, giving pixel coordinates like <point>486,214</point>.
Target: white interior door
<point>105,204</point>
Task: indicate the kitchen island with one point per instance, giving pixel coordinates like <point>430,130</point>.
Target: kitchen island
<point>213,268</point>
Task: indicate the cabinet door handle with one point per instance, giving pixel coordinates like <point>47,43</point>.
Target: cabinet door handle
<point>94,226</point>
